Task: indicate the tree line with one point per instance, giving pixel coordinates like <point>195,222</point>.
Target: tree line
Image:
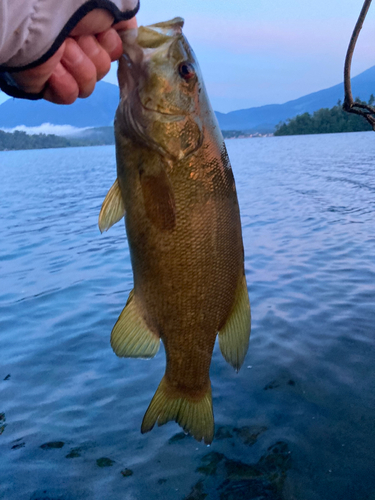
<point>21,140</point>
<point>11,141</point>
<point>325,121</point>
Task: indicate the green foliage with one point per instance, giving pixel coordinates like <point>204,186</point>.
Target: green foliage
<point>21,140</point>
<point>325,121</point>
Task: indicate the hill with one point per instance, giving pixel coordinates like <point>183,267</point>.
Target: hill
<point>265,118</point>
<point>325,121</point>
<point>98,110</point>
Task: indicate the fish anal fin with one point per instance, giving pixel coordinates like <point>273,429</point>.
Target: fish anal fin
<point>113,208</point>
<point>159,199</point>
<point>131,337</point>
<point>234,335</point>
<point>193,414</point>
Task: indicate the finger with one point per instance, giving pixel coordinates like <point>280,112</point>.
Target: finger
<point>34,80</point>
<point>96,21</point>
<point>111,43</point>
<point>96,53</point>
<point>61,87</point>
<point>126,25</point>
<point>80,67</point>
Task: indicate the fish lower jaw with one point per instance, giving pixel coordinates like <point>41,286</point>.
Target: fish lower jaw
<point>174,116</point>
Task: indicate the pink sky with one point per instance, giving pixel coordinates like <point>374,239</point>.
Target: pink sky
<point>270,51</point>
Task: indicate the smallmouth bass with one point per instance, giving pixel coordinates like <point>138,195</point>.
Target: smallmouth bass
<point>175,187</point>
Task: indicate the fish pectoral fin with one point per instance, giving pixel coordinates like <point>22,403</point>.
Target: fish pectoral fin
<point>234,335</point>
<point>194,415</point>
<point>159,199</point>
<point>113,208</point>
<point>131,337</point>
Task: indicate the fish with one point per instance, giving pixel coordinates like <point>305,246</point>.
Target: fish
<point>176,190</point>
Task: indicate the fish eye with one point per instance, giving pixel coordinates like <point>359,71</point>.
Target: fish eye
<point>186,70</point>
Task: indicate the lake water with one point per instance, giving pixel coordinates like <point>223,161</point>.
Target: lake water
<point>298,420</point>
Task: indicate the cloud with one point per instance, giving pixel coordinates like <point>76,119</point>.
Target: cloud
<point>47,128</point>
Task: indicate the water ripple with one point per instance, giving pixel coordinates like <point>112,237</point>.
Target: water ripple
<point>70,410</point>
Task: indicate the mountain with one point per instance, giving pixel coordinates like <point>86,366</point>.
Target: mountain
<point>98,110</point>
<point>265,118</point>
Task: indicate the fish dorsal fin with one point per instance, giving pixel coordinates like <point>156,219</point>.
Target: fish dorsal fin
<point>131,337</point>
<point>113,208</point>
<point>234,335</point>
<point>159,199</point>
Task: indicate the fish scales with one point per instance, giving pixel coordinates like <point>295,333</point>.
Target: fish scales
<point>176,187</point>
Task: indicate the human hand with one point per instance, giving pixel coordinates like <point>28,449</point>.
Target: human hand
<point>83,59</point>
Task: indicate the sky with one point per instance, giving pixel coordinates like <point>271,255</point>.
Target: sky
<point>267,51</point>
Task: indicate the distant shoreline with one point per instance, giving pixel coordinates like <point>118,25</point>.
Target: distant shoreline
<point>326,121</point>
<point>101,136</point>
<point>104,136</point>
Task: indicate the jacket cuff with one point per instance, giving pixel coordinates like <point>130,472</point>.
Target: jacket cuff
<point>10,87</point>
<point>60,35</point>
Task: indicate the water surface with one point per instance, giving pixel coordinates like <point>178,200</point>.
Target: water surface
<point>298,420</point>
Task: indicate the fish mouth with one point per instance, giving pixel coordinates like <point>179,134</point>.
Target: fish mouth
<point>145,112</point>
<point>134,116</point>
<point>139,46</point>
<point>129,74</point>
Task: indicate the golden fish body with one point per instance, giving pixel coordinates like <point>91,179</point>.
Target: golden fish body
<point>175,184</point>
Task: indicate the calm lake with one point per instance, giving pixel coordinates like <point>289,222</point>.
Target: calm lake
<point>298,420</point>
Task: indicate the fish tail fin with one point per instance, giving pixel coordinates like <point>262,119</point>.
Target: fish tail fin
<point>193,414</point>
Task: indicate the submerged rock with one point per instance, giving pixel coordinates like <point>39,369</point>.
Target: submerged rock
<point>2,423</point>
<point>52,445</point>
<point>74,453</point>
<point>263,480</point>
<point>18,445</point>
<point>104,462</point>
<point>210,463</point>
<point>127,472</point>
<point>178,437</point>
<point>197,492</point>
<point>224,432</point>
<point>249,435</point>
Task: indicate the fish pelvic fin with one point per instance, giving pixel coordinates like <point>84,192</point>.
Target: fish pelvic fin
<point>193,414</point>
<point>131,337</point>
<point>235,334</point>
<point>113,208</point>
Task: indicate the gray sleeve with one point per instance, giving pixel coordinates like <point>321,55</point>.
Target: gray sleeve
<point>31,31</point>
